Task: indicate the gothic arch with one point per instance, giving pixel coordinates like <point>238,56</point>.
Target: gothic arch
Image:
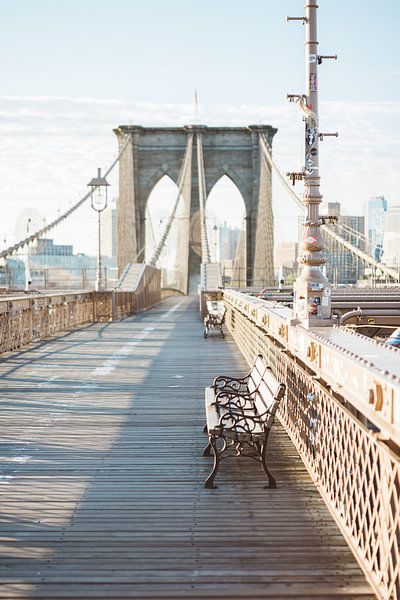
<point>154,152</point>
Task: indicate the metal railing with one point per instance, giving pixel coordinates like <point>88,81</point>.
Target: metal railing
<point>356,469</point>
<point>36,317</point>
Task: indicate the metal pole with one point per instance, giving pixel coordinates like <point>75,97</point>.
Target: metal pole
<point>99,283</point>
<point>312,291</point>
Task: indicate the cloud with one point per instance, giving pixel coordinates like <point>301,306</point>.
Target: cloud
<point>51,147</point>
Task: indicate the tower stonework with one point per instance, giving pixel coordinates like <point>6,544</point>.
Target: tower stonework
<point>149,153</point>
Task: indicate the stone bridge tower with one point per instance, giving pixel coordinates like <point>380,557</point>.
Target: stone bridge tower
<point>149,153</point>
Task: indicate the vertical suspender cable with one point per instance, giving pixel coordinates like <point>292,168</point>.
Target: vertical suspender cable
<point>205,245</point>
<point>188,153</point>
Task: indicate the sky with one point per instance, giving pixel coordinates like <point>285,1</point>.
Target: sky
<point>72,70</point>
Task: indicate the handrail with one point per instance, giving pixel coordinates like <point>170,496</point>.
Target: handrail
<point>343,414</point>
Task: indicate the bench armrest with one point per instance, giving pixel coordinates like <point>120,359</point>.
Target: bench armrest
<point>233,384</point>
<point>227,397</point>
<point>239,420</point>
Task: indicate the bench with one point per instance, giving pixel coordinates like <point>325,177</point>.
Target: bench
<point>215,316</point>
<point>240,412</point>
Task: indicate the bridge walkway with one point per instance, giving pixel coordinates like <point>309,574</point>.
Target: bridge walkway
<point>102,475</point>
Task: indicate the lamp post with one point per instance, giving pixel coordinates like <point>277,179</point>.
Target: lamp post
<point>215,230</point>
<point>98,200</point>
<point>28,279</point>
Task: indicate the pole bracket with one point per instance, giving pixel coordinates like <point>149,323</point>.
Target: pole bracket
<point>329,219</point>
<point>304,19</point>
<point>295,176</point>
<point>293,97</point>
<point>322,57</point>
<point>323,135</point>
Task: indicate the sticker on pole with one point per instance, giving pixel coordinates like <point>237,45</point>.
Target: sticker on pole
<point>313,82</point>
<point>311,240</point>
<point>312,58</point>
<point>310,167</point>
<point>311,133</point>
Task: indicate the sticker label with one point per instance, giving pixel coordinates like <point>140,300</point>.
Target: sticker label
<point>312,58</point>
<point>311,240</point>
<point>310,135</point>
<point>309,165</point>
<point>313,82</point>
<point>302,308</point>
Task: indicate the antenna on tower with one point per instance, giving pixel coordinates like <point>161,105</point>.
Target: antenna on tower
<point>196,107</point>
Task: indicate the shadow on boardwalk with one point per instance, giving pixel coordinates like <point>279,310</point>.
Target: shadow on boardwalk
<point>103,478</point>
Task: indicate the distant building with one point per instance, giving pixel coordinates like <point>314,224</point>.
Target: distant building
<point>342,266</point>
<point>109,231</point>
<point>375,210</point>
<point>46,246</point>
<point>285,254</point>
<point>229,238</point>
<point>391,237</point>
<point>12,273</point>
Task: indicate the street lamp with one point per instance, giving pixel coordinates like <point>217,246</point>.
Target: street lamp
<point>98,200</point>
<point>215,230</point>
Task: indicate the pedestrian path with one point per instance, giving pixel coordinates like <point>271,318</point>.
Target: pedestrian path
<point>101,477</point>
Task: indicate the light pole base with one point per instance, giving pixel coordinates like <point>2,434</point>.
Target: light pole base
<point>316,323</point>
<point>312,299</point>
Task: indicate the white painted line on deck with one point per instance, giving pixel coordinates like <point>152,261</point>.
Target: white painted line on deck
<point>172,310</point>
<point>109,365</point>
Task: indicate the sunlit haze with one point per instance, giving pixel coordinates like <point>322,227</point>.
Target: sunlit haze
<point>72,71</point>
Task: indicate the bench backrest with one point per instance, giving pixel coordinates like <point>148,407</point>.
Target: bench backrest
<point>256,374</point>
<point>268,395</point>
<point>215,307</point>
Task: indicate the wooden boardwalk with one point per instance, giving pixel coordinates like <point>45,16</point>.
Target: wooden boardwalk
<point>101,477</point>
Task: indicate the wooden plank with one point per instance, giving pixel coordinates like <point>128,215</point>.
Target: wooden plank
<point>101,475</point>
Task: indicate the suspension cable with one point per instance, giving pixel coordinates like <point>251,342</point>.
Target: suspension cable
<point>186,161</point>
<point>205,245</point>
<point>339,239</point>
<point>43,230</point>
<point>267,155</point>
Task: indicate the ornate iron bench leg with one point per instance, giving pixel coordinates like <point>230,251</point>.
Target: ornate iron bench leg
<point>271,479</point>
<point>207,450</point>
<point>209,482</point>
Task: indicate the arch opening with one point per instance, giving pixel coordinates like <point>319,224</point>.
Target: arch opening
<point>225,216</point>
<point>159,206</point>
